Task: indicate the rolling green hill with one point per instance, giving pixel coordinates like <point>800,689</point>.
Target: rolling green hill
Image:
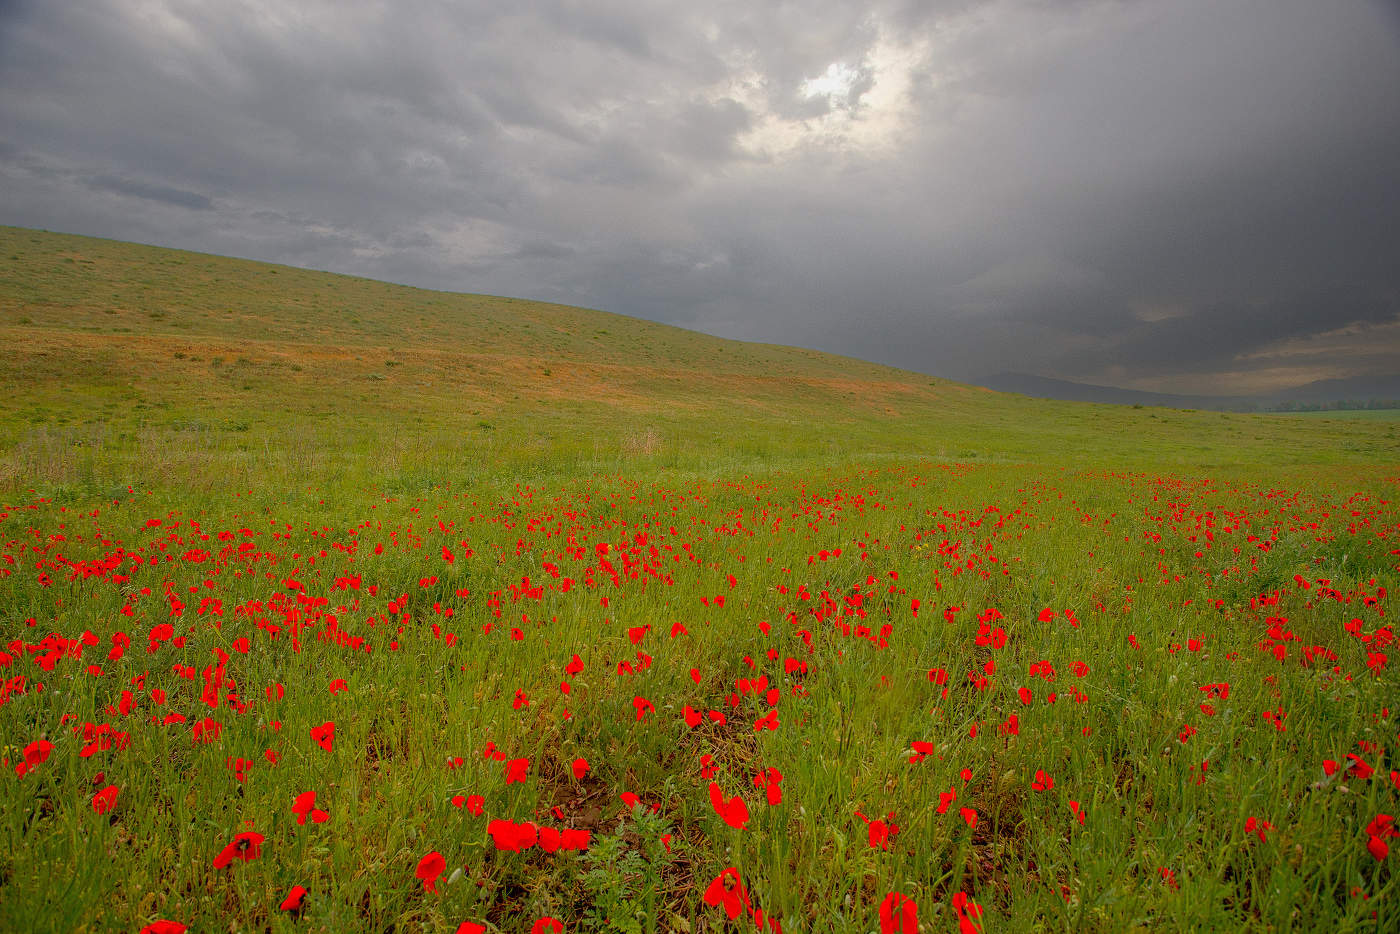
<point>130,362</point>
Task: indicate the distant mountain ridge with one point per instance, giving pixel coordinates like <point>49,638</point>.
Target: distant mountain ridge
<point>1046,387</point>
<point>1361,389</point>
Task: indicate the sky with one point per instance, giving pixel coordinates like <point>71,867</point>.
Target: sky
<point>1173,195</point>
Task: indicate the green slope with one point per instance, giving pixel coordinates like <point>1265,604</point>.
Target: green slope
<point>133,363</point>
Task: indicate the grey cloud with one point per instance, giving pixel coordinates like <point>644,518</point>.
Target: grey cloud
<point>544,249</point>
<point>614,26</point>
<point>1219,335</point>
<point>709,130</point>
<point>1076,188</point>
<point>163,193</point>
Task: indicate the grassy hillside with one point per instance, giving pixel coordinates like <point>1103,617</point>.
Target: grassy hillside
<point>330,605</point>
<point>130,361</point>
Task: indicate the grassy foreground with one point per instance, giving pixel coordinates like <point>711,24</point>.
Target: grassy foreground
<point>331,605</point>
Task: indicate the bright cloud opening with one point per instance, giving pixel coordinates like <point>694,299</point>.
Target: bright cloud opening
<point>836,83</point>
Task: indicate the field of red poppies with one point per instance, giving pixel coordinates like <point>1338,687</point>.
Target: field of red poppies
<point>330,605</point>
<point>916,697</point>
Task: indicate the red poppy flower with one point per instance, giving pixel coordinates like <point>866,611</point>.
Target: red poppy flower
<point>517,770</point>
<point>770,782</point>
<point>707,766</point>
<point>471,927</point>
<point>968,913</point>
<point>35,754</point>
<point>245,846</point>
<point>550,839</point>
<point>163,926</point>
<point>304,806</point>
<point>429,868</point>
<point>513,837</point>
<point>727,889</point>
<point>571,839</point>
<point>733,812</point>
<point>295,899</point>
<point>1359,770</point>
<point>105,800</point>
<point>1256,826</point>
<point>898,915</point>
<point>324,735</point>
<point>1382,826</point>
<point>547,926</point>
<point>1043,782</point>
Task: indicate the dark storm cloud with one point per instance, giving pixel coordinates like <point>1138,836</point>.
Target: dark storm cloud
<point>1159,193</point>
<point>1214,335</point>
<point>139,189</point>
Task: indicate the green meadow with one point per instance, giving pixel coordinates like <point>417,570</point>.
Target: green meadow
<point>570,621</point>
